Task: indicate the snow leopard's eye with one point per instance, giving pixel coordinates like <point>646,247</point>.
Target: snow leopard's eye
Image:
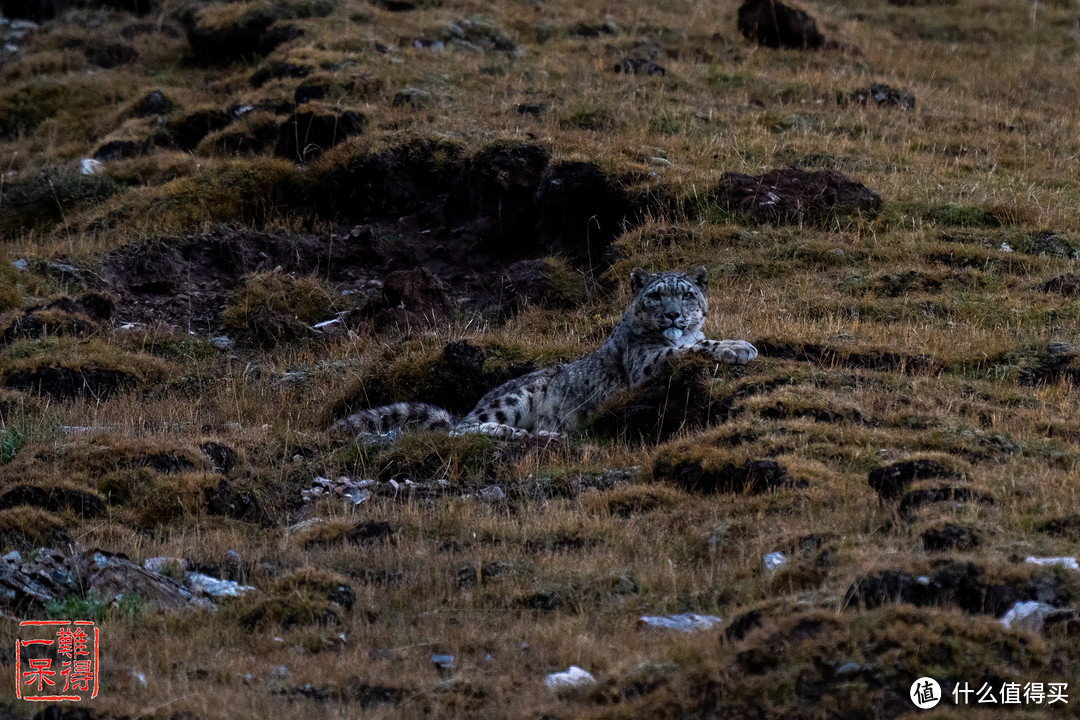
<point>688,295</point>
<point>654,295</point>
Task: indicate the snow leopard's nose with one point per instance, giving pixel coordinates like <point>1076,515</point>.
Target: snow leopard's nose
<point>673,315</point>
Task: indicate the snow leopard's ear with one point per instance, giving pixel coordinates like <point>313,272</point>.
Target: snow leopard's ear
<point>638,279</point>
<point>700,277</point>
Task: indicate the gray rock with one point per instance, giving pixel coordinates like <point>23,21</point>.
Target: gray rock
<point>213,588</point>
<point>112,577</point>
<point>26,586</point>
<point>848,669</point>
<point>491,493</point>
<point>1027,616</point>
<point>571,678</point>
<point>684,622</point>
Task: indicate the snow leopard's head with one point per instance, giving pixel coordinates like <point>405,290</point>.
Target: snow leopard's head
<point>671,305</point>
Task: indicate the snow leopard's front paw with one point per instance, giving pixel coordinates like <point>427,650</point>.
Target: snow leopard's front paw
<point>734,352</point>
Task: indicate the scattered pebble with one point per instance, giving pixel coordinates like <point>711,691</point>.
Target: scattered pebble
<point>572,677</point>
<point>20,264</point>
<point>344,488</point>
<point>443,662</point>
<point>684,622</point>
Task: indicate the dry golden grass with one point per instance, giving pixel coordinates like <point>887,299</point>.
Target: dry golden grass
<point>921,338</point>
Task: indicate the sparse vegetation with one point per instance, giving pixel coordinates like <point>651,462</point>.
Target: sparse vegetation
<point>463,189</point>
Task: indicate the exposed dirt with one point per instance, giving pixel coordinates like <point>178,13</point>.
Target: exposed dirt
<point>892,480</point>
<point>461,224</point>
<point>951,536</point>
<point>924,497</point>
<point>958,583</point>
<point>54,499</point>
<point>828,355</point>
<point>67,383</point>
<point>753,476</point>
<point>791,195</point>
<point>63,316</point>
<point>1067,284</point>
<point>776,25</point>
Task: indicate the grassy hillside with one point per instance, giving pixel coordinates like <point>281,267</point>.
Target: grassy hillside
<point>463,187</point>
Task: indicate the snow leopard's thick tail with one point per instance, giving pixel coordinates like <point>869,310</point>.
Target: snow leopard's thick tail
<point>383,419</point>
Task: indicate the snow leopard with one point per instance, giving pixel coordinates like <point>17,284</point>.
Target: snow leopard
<point>664,318</point>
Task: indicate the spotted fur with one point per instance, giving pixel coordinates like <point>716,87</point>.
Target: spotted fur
<point>663,319</point>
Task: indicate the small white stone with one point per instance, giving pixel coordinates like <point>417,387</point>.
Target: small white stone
<point>89,166</point>
<point>573,677</point>
<point>773,561</point>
